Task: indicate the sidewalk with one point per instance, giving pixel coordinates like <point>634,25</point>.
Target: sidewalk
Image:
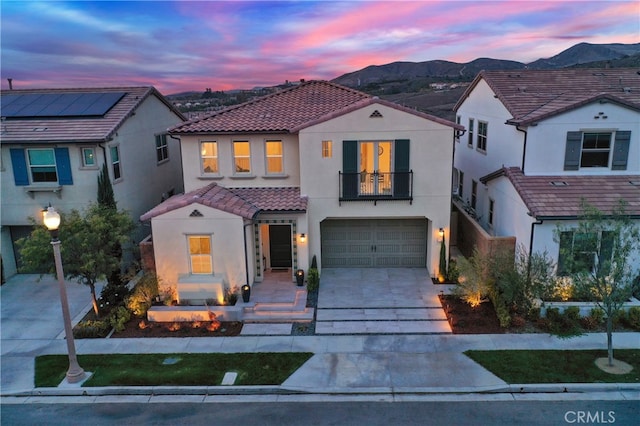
<point>377,366</point>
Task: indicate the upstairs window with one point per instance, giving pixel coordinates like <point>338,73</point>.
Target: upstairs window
<point>115,162</point>
<point>42,164</point>
<point>88,157</point>
<point>242,157</point>
<point>209,157</point>
<point>482,135</point>
<point>327,149</point>
<point>492,205</point>
<point>595,150</point>
<point>200,254</point>
<point>474,194</point>
<point>273,151</point>
<point>470,136</point>
<point>162,149</point>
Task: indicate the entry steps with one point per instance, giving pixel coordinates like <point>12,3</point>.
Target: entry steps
<point>279,312</point>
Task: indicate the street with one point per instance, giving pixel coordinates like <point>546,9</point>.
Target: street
<point>370,413</point>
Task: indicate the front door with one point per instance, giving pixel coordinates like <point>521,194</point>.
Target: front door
<point>280,246</point>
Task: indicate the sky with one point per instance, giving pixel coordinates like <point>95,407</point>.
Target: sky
<point>192,45</point>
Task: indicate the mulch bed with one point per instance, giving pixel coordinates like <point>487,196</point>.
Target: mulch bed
<point>178,329</point>
<point>467,320</point>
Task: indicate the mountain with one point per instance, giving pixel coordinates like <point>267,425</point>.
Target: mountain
<point>438,70</point>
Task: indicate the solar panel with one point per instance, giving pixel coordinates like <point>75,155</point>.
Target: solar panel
<point>89,104</point>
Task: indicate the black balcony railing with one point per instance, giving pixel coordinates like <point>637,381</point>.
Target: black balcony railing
<point>376,186</point>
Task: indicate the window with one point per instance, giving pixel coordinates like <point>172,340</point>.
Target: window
<point>375,168</point>
<point>470,140</point>
<point>42,164</point>
<point>200,254</point>
<point>579,252</point>
<point>88,157</point>
<point>327,149</point>
<point>273,151</point>
<point>482,135</point>
<point>491,210</point>
<point>460,183</point>
<point>458,121</point>
<point>115,162</point>
<point>209,157</point>
<point>474,193</point>
<point>162,149</point>
<point>242,157</point>
<point>595,150</point>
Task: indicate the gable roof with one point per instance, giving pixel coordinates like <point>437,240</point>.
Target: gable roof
<point>560,197</point>
<point>77,129</point>
<point>290,110</point>
<point>243,202</point>
<point>534,95</point>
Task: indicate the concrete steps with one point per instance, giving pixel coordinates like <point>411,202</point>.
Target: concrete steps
<point>279,312</point>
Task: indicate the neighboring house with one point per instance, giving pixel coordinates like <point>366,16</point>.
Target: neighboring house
<point>318,169</point>
<point>538,142</point>
<point>55,141</point>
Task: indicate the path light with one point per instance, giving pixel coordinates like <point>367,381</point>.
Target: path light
<point>75,373</point>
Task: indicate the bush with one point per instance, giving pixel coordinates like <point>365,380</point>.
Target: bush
<point>633,317</point>
<point>474,282</point>
<point>562,325</point>
<point>230,296</point>
<point>112,295</point>
<point>119,317</point>
<point>91,329</point>
<point>572,313</point>
<point>452,271</point>
<point>313,279</point>
<point>143,294</point>
<point>597,315</point>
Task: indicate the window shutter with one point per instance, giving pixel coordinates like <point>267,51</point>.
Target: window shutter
<point>19,164</point>
<point>350,169</point>
<point>572,152</point>
<point>63,166</point>
<point>401,182</point>
<point>621,150</point>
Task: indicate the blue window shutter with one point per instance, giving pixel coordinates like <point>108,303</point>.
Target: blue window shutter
<point>573,150</point>
<point>350,177</point>
<point>63,166</point>
<point>621,150</point>
<point>401,181</point>
<point>19,164</point>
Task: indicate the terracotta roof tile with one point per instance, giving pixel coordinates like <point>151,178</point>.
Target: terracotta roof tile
<point>74,130</point>
<point>243,202</point>
<point>533,95</point>
<point>561,196</point>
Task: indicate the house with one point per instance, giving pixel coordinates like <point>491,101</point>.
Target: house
<point>540,141</point>
<point>316,169</point>
<point>55,142</point>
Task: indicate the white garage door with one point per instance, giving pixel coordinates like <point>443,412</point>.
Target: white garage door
<point>374,243</point>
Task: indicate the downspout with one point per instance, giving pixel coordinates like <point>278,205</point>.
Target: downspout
<point>524,147</point>
<point>246,252</point>
<point>533,227</point>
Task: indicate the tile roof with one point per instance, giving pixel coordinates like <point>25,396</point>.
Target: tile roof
<point>561,196</point>
<point>77,129</point>
<point>533,95</point>
<point>289,110</point>
<point>243,202</point>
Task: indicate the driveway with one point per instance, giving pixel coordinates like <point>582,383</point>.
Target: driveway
<point>387,300</point>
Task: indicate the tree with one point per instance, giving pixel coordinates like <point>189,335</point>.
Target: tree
<point>475,280</point>
<point>89,241</point>
<point>597,255</point>
<point>105,190</point>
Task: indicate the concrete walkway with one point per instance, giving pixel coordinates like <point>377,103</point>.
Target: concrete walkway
<point>364,366</point>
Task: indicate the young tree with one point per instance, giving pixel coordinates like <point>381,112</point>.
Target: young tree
<point>89,241</point>
<point>475,280</point>
<point>597,255</point>
<point>105,191</point>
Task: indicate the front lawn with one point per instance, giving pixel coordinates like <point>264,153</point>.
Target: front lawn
<point>553,366</point>
<point>173,369</point>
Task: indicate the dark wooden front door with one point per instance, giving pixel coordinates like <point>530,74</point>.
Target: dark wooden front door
<point>280,246</point>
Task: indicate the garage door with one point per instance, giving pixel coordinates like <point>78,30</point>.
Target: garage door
<point>374,243</point>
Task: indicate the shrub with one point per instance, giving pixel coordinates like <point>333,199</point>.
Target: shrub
<point>562,325</point>
<point>533,314</point>
<point>112,295</point>
<point>314,262</point>
<point>230,296</point>
<point>452,271</point>
<point>474,281</point>
<point>633,317</point>
<point>91,329</point>
<point>572,313</point>
<point>143,294</point>
<point>313,279</point>
<point>518,321</point>
<point>597,315</point>
<point>589,323</point>
<point>119,317</point>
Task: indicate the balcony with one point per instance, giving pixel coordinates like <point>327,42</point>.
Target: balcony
<point>376,186</point>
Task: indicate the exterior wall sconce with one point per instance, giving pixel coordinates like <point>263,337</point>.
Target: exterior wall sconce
<point>441,232</point>
<point>303,237</point>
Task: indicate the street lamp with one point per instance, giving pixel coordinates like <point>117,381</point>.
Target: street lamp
<point>75,373</point>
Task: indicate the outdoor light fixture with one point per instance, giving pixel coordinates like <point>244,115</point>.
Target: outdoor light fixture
<point>303,237</point>
<point>441,232</point>
<point>75,373</point>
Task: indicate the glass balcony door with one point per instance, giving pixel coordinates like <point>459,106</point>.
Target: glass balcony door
<point>375,168</point>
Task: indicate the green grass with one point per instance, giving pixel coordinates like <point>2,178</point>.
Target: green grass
<point>549,366</point>
<point>189,370</point>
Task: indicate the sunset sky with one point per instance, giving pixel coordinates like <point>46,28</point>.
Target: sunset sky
<point>190,45</point>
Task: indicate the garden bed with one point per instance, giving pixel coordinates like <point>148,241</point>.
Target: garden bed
<point>178,329</point>
<point>467,320</point>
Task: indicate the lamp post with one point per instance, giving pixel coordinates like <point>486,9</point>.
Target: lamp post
<point>75,373</point>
